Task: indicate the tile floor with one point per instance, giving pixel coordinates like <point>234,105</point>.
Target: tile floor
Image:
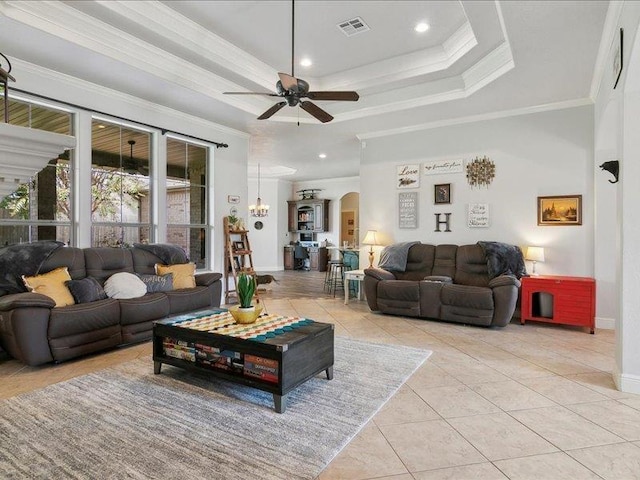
<point>522,402</point>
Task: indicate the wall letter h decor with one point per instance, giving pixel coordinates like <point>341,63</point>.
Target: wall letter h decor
<point>442,222</point>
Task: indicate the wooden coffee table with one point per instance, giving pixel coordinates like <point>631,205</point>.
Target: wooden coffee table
<point>275,354</point>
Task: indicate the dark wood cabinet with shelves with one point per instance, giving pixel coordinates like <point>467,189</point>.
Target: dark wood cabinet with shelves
<point>308,216</point>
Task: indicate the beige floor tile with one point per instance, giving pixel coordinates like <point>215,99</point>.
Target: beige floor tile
<point>511,395</point>
<point>430,445</point>
<point>600,382</point>
<point>368,455</point>
<point>612,462</point>
<point>556,466</point>
<point>405,407</point>
<point>631,401</point>
<point>430,375</point>
<point>498,436</point>
<point>562,391</point>
<point>455,401</point>
<point>480,471</point>
<point>612,415</point>
<point>565,429</point>
<point>473,373</point>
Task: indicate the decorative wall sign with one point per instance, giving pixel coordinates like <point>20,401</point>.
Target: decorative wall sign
<point>480,172</point>
<point>233,198</point>
<point>408,176</point>
<point>443,166</point>
<point>408,210</point>
<point>478,215</point>
<point>445,222</point>
<point>442,193</point>
<point>560,210</point>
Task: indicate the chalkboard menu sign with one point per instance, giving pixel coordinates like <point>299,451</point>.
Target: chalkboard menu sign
<point>408,209</point>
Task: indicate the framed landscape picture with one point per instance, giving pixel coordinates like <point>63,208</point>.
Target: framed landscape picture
<point>560,210</point>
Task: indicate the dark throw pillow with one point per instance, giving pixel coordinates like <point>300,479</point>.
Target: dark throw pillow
<point>157,283</point>
<point>86,290</point>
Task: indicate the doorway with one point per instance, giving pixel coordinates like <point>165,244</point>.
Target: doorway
<point>349,218</point>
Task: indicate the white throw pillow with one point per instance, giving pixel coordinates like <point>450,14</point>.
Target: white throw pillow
<point>124,285</point>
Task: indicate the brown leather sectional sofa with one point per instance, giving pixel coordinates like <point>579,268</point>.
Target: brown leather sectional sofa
<point>35,332</point>
<point>444,282</point>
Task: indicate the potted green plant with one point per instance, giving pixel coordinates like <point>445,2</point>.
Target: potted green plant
<point>232,219</point>
<point>246,288</point>
<point>245,312</point>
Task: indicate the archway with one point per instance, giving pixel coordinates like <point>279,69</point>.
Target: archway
<point>350,218</point>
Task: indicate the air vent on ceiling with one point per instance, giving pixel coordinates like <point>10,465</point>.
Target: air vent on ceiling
<point>353,26</point>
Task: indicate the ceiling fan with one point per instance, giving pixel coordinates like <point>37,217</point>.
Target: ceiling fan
<point>293,90</point>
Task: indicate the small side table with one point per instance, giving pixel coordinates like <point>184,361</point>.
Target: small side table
<point>574,300</point>
<point>353,275</point>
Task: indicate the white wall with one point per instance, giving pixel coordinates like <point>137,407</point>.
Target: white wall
<point>267,244</point>
<point>549,153</point>
<point>617,114</point>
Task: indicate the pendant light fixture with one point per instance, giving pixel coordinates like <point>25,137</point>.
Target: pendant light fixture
<point>259,209</point>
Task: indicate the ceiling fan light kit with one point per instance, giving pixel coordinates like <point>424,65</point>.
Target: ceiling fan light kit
<point>293,89</point>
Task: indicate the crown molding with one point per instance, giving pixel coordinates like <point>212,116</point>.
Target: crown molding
<point>95,90</point>
<point>609,32</point>
<point>168,23</point>
<point>547,107</point>
<point>66,22</point>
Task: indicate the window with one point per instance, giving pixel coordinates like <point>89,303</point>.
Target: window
<point>120,185</point>
<point>40,209</point>
<point>187,202</point>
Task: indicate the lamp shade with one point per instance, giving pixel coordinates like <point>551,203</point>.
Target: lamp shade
<point>370,238</point>
<point>535,254</point>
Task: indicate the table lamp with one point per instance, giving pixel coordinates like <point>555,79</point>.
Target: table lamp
<point>535,254</point>
<point>370,239</point>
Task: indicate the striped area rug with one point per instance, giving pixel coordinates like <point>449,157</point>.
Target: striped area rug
<point>126,422</point>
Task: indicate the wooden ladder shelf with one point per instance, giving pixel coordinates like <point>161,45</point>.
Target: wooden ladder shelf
<point>237,260</point>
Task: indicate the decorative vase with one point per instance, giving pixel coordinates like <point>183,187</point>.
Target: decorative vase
<point>245,315</point>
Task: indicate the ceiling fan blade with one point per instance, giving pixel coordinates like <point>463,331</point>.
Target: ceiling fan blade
<point>272,110</point>
<point>316,111</point>
<point>288,82</point>
<point>344,96</point>
<point>268,94</point>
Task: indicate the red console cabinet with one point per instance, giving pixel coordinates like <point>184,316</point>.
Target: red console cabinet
<point>574,300</point>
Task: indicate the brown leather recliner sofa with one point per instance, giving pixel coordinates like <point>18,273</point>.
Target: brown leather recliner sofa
<point>444,282</point>
<point>35,332</point>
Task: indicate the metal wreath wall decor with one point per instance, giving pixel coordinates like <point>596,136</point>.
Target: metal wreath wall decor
<point>481,172</point>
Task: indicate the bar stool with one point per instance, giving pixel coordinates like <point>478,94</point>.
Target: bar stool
<point>336,277</point>
<point>327,275</point>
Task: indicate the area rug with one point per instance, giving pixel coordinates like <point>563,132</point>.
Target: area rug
<point>126,422</point>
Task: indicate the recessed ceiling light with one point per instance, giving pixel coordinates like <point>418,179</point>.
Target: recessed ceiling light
<point>422,27</point>
<point>306,62</point>
<point>102,126</point>
<point>323,155</point>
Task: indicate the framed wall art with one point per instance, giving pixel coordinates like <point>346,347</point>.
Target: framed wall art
<point>443,166</point>
<point>618,44</point>
<point>560,210</point>
<point>408,210</point>
<point>478,215</point>
<point>442,193</point>
<point>408,176</point>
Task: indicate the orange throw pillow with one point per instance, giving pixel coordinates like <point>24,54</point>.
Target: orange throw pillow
<point>183,274</point>
<point>52,284</point>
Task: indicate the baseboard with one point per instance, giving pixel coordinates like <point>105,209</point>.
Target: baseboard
<point>260,270</point>
<point>625,382</point>
<point>606,323</point>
